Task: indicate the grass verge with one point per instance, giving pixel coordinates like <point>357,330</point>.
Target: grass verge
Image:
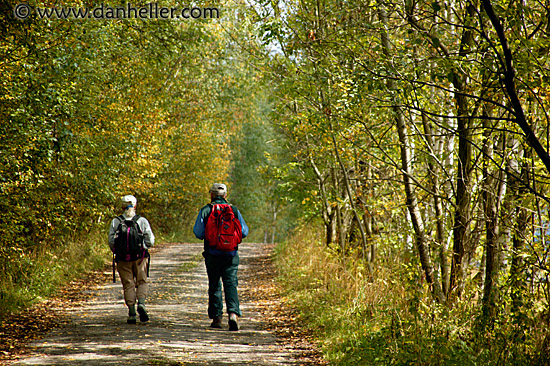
<point>388,319</point>
<point>32,277</point>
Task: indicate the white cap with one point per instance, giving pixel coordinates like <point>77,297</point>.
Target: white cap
<point>219,189</point>
<point>129,198</point>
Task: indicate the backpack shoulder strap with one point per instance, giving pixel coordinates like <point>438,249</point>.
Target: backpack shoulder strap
<point>211,206</point>
<point>135,220</point>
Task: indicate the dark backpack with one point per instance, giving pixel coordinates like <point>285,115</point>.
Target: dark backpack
<point>223,229</point>
<point>129,240</point>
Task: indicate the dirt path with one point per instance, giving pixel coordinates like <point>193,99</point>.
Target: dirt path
<point>178,332</point>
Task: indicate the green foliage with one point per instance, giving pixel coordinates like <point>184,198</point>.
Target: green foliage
<point>384,319</point>
<point>394,110</point>
<point>34,276</point>
<point>93,110</point>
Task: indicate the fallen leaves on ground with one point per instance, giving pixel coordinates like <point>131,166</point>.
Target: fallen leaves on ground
<point>17,330</point>
<point>262,290</point>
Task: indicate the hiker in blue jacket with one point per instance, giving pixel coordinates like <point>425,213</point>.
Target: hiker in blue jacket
<point>220,263</point>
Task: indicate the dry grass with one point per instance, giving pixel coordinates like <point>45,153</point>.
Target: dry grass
<point>388,317</point>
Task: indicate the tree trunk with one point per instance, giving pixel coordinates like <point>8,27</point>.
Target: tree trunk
<point>274,223</point>
<point>491,203</point>
<point>358,219</point>
<point>328,214</point>
<point>509,72</point>
<point>368,219</point>
<point>438,208</point>
<point>412,201</point>
<point>517,270</point>
<point>462,207</point>
<point>341,232</point>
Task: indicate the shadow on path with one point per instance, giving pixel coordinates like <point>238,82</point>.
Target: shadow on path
<point>178,332</point>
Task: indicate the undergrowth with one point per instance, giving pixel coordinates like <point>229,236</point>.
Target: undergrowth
<point>388,318</point>
<point>38,274</point>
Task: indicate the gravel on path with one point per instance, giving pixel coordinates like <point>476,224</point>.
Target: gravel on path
<point>178,332</point>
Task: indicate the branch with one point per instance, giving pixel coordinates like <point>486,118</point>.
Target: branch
<point>509,75</point>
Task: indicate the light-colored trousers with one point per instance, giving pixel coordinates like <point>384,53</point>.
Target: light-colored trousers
<point>134,280</point>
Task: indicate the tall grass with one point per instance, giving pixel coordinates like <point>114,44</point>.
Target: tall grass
<point>33,276</point>
<point>388,318</point>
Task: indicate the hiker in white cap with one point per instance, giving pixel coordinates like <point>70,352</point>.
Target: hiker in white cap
<point>130,237</point>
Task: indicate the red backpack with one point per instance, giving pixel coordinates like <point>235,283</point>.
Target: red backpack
<point>223,229</point>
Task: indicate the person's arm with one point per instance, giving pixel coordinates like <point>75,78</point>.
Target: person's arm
<point>243,224</point>
<point>200,225</point>
<point>112,230</point>
<point>148,236</point>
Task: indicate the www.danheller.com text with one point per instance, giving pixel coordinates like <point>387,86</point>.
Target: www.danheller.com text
<point>128,11</point>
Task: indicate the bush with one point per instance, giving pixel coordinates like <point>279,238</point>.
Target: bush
<point>388,319</point>
<point>33,276</point>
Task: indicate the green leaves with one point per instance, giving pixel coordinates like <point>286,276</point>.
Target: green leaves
<point>94,110</point>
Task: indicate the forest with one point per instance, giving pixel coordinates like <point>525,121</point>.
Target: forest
<point>401,144</point>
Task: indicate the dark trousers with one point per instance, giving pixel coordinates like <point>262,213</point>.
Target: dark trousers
<point>221,268</point>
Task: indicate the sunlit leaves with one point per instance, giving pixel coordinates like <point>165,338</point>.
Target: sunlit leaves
<point>94,110</point>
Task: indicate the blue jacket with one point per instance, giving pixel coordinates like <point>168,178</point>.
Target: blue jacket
<point>202,219</point>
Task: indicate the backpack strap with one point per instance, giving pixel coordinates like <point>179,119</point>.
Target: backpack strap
<point>135,220</point>
<point>120,221</point>
<point>212,209</point>
<point>230,205</point>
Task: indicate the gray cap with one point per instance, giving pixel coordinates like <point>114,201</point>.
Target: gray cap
<point>219,189</point>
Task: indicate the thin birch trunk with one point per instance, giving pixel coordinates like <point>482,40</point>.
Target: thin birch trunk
<point>412,201</point>
<point>350,196</point>
<point>491,201</point>
<point>438,207</point>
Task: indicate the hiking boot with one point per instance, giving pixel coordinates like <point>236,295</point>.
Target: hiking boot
<point>233,322</point>
<point>216,322</point>
<point>131,319</point>
<point>143,316</point>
